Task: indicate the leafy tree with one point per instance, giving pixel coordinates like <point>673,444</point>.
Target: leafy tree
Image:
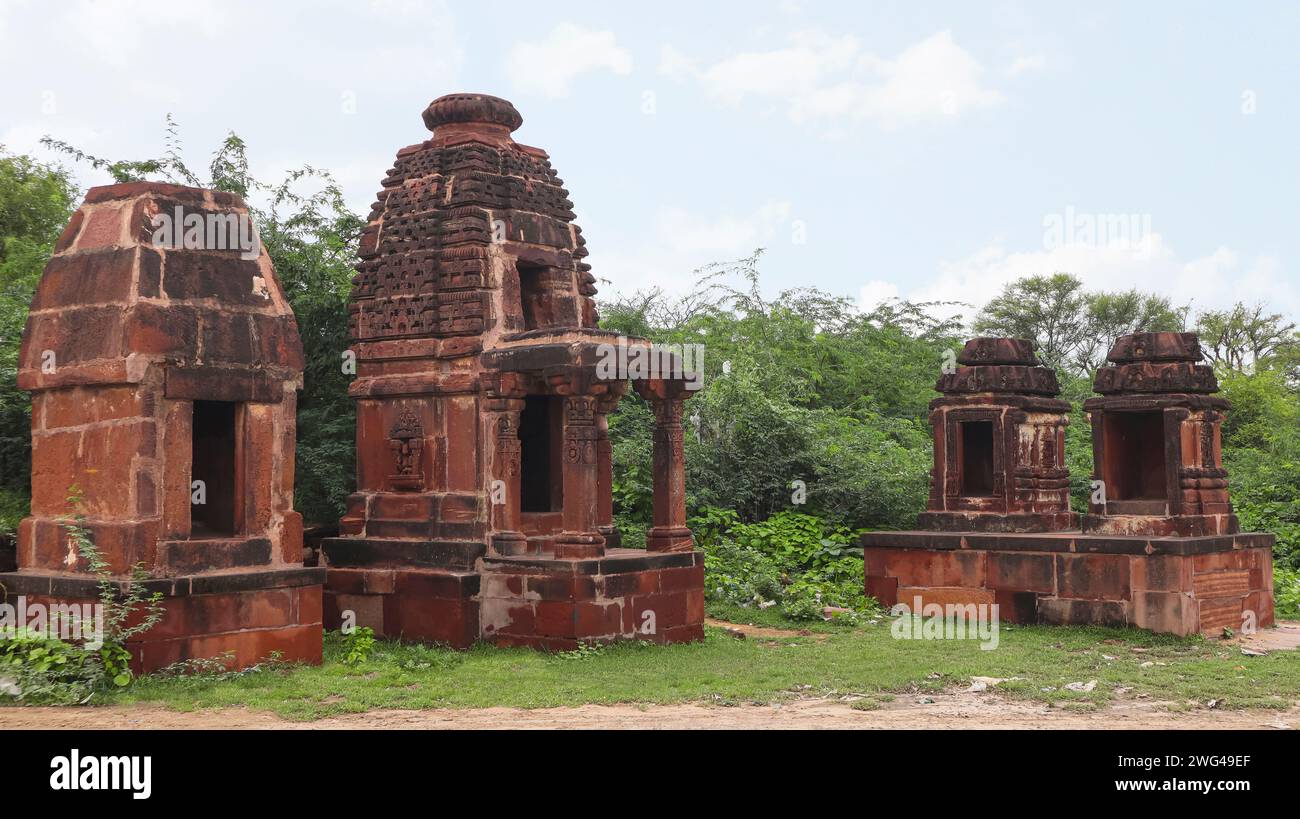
<point>36,200</point>
<point>801,387</point>
<point>1073,328</point>
<point>1261,446</point>
<point>1108,316</point>
<point>1047,309</point>
<point>1247,337</point>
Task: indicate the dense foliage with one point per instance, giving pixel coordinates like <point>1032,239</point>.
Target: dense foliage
<point>36,201</point>
<point>813,413</point>
<point>808,404</point>
<point>811,424</point>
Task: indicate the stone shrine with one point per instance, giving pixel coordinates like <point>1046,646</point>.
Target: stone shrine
<point>1159,548</point>
<point>163,378</point>
<point>483,507</point>
<point>999,444</point>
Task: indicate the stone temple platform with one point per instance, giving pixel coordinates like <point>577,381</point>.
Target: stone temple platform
<point>1179,585</point>
<point>1159,548</point>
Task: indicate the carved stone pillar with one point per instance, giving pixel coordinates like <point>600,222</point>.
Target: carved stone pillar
<point>605,473</point>
<point>504,492</point>
<point>580,538</point>
<point>669,532</point>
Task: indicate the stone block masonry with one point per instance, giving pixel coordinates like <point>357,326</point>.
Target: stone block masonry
<point>1183,586</point>
<point>164,380</point>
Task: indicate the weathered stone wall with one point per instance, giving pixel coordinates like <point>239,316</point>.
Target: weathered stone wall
<point>122,337</point>
<point>131,328</point>
<point>1178,586</point>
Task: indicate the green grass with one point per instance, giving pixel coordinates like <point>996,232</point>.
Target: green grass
<point>863,660</point>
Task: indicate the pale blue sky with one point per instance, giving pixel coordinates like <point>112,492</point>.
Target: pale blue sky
<point>917,150</point>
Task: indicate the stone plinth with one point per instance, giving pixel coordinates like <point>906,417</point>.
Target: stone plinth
<point>163,371</point>
<point>626,594</point>
<point>1178,585</point>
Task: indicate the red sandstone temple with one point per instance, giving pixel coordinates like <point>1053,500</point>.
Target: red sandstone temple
<point>163,381</point>
<point>1159,548</point>
<point>483,507</point>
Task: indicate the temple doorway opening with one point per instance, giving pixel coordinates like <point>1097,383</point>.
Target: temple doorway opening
<point>976,458</point>
<point>214,448</point>
<point>1135,470</point>
<point>540,431</point>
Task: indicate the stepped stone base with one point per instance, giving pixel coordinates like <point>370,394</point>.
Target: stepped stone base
<point>424,605</point>
<point>542,602</point>
<point>1175,585</point>
<point>628,594</point>
<point>246,615</point>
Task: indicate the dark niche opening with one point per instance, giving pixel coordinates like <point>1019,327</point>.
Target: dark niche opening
<point>214,453</point>
<point>1135,456</point>
<point>530,295</point>
<point>976,458</point>
<point>540,436</point>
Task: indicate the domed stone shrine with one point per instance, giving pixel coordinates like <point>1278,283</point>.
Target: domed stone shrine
<point>999,443</point>
<point>1156,441</point>
<point>1159,547</point>
<point>163,362</point>
<point>483,506</point>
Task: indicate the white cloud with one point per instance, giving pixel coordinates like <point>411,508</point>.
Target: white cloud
<point>117,30</point>
<point>421,36</point>
<point>549,68</point>
<point>1218,279</point>
<point>675,64</point>
<point>684,241</point>
<point>1026,63</point>
<point>820,77</point>
<point>687,233</point>
<point>874,292</point>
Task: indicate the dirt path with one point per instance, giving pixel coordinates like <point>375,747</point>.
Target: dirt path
<point>947,711</point>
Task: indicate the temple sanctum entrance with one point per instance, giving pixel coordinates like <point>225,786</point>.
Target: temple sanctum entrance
<point>213,476</point>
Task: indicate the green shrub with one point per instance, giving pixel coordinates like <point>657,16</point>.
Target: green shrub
<point>1286,593</point>
<point>39,668</point>
<point>357,645</point>
<point>794,560</point>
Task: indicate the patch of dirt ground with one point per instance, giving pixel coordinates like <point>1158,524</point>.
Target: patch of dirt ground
<point>962,710</point>
<point>743,630</point>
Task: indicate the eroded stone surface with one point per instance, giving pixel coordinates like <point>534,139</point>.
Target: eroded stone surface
<point>155,363</point>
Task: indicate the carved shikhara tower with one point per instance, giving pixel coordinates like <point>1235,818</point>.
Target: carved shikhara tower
<point>483,504</point>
